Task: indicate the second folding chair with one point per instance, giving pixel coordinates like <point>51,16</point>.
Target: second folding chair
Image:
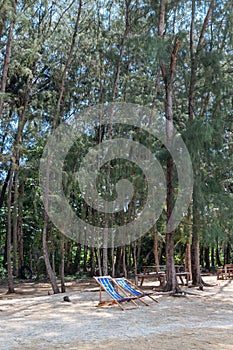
<point>133,290</point>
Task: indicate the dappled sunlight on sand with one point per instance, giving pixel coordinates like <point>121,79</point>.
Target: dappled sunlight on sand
<point>202,320</point>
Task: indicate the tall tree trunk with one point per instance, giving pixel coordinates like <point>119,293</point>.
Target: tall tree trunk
<point>194,56</point>
<point>155,248</point>
<point>135,258</point>
<point>105,248</point>
<point>114,93</point>
<point>8,240</point>
<point>207,258</point>
<point>168,78</point>
<point>218,260</point>
<point>212,257</point>
<point>4,187</point>
<point>195,249</point>
<point>124,261</point>
<point>85,248</point>
<point>20,224</point>
<point>92,257</point>
<point>188,262</point>
<point>99,261</point>
<point>113,261</point>
<point>56,121</point>
<point>62,265</point>
<point>118,261</point>
<point>49,269</point>
<point>7,59</point>
<point>15,216</point>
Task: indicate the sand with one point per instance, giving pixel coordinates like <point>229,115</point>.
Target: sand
<point>32,319</point>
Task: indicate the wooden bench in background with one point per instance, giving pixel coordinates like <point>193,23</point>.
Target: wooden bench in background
<point>158,273</point>
<point>226,272</point>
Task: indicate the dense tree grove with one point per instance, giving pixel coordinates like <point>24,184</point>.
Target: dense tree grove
<point>58,58</point>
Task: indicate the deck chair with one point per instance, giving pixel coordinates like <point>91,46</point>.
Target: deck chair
<point>108,285</point>
<point>133,290</point>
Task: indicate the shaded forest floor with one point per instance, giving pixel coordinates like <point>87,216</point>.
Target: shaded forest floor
<point>32,320</point>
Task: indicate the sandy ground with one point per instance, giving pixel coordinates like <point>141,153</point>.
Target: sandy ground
<point>32,319</point>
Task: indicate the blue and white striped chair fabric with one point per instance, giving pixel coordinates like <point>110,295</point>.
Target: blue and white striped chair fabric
<point>110,289</point>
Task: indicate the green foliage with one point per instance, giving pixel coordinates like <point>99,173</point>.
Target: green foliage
<point>41,40</point>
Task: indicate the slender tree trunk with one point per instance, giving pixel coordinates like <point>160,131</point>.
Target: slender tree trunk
<point>124,261</point>
<point>62,266</point>
<point>8,240</point>
<point>113,261</point>
<point>194,56</point>
<point>118,260</point>
<point>114,93</point>
<point>49,269</point>
<point>92,261</point>
<point>56,121</point>
<point>135,258</point>
<point>15,218</point>
<point>168,78</point>
<point>218,260</point>
<point>20,224</point>
<point>195,249</point>
<point>139,246</point>
<point>7,60</point>
<point>99,262</point>
<point>188,262</point>
<point>78,257</point>
<point>207,258</point>
<point>4,187</point>
<point>105,248</point>
<point>85,258</point>
<point>212,257</point>
<point>227,253</point>
<point>155,248</point>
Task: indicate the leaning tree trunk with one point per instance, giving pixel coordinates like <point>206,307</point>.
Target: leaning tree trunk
<point>49,269</point>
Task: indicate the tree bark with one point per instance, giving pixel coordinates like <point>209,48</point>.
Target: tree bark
<point>49,269</point>
<point>62,266</point>
<point>168,78</point>
<point>195,249</point>
<point>8,240</point>
<point>57,112</point>
<point>155,247</point>
<point>7,59</point>
<point>188,262</point>
<point>20,224</point>
<point>15,215</point>
<point>4,187</point>
<point>194,55</point>
<point>124,265</point>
